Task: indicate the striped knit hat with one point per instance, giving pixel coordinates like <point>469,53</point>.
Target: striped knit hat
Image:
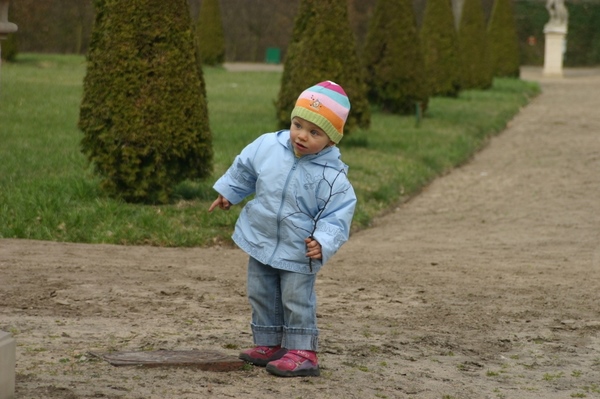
<point>327,106</point>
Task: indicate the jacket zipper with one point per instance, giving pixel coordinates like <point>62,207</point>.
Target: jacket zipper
<point>283,196</point>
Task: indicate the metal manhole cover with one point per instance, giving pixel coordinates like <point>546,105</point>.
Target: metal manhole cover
<point>208,360</point>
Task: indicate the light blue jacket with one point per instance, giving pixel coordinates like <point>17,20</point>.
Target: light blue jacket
<point>292,195</point>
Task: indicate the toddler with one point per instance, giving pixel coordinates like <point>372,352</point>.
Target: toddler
<point>299,217</point>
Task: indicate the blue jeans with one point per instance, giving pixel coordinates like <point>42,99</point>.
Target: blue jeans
<point>284,307</point>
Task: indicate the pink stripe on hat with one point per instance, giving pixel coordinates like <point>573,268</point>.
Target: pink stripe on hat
<point>339,109</point>
<point>328,84</point>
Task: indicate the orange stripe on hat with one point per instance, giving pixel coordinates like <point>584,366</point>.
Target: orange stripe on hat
<point>332,117</point>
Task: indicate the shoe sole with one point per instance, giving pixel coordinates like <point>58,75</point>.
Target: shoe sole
<point>254,361</point>
<point>258,362</point>
<point>290,373</point>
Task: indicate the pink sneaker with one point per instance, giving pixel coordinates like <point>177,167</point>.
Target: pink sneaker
<point>261,355</point>
<point>295,363</point>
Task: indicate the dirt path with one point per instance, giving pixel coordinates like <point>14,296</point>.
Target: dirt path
<point>484,286</point>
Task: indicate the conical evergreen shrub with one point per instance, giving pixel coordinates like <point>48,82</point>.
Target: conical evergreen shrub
<point>143,113</point>
<point>323,48</point>
<point>393,59</point>
<point>10,47</point>
<point>503,40</point>
<point>439,43</point>
<point>211,40</point>
<point>476,68</point>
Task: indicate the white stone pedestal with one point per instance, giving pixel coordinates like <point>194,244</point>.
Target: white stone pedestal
<point>8,349</point>
<point>5,26</point>
<point>554,51</point>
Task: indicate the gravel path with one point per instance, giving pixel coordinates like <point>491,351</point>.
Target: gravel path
<point>486,285</point>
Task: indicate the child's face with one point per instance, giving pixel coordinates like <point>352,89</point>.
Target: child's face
<point>307,138</point>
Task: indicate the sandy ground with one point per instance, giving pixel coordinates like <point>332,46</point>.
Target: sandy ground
<point>486,285</point>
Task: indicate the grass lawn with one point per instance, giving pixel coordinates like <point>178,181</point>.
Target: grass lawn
<point>49,192</point>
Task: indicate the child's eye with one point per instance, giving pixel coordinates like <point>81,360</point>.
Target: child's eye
<point>297,125</point>
<point>314,132</point>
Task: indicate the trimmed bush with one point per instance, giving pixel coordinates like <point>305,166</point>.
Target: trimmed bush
<point>10,48</point>
<point>503,41</point>
<point>143,113</point>
<point>439,43</point>
<point>323,48</point>
<point>393,59</point>
<point>476,68</point>
<point>211,40</point>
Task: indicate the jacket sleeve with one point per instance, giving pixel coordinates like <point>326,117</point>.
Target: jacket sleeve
<point>333,227</point>
<point>240,179</point>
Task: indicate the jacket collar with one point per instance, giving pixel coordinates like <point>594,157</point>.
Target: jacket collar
<point>330,156</point>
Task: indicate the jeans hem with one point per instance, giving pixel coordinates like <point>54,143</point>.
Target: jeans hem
<point>266,335</point>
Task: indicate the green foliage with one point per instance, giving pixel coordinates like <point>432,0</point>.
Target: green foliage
<point>476,69</point>
<point>10,48</point>
<point>503,41</point>
<point>395,66</point>
<point>323,48</point>
<point>439,43</point>
<point>530,18</point>
<point>60,26</point>
<point>144,113</point>
<point>211,40</point>
<point>583,37</point>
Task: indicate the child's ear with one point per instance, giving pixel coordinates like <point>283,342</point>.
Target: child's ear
<point>331,143</point>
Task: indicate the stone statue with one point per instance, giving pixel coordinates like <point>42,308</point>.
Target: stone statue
<point>558,13</point>
<point>556,43</point>
<point>5,26</point>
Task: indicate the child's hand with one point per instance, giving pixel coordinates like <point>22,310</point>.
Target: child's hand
<point>313,248</point>
<point>221,202</point>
